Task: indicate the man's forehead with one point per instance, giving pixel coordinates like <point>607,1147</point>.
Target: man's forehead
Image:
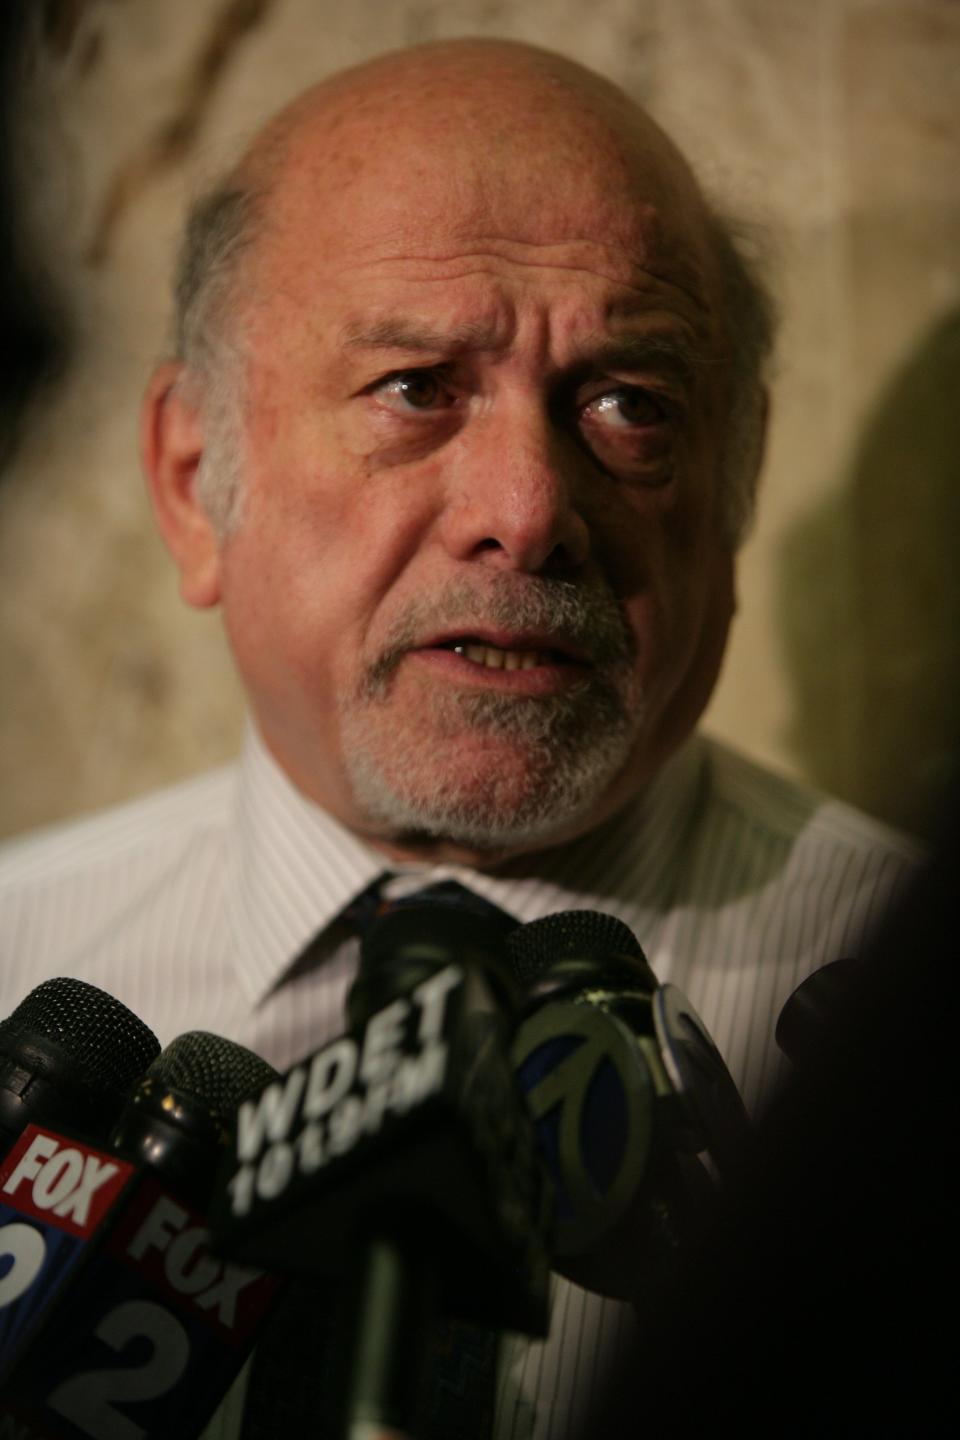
<point>462,134</point>
<point>420,292</point>
<point>380,181</point>
<point>401,199</point>
<point>399,226</point>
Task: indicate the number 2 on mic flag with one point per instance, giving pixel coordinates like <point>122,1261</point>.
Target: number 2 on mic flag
<point>54,1195</point>
<point>139,1335</point>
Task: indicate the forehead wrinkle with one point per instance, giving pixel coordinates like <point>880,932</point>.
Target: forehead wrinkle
<point>585,256</point>
<point>509,247</point>
<point>396,333</point>
<point>636,268</point>
<point>645,290</point>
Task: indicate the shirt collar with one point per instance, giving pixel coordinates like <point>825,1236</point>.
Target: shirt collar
<point>294,867</point>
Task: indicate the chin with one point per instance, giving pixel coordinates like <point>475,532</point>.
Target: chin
<point>485,796</point>
<point>486,771</point>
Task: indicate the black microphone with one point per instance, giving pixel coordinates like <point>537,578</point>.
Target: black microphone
<point>181,1117</point>
<point>403,1151</point>
<point>628,1095</point>
<point>68,1056</point>
<point>147,1333</point>
<point>813,1024</point>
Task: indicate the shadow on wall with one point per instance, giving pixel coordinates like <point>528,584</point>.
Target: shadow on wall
<point>66,33</point>
<point>869,602</point>
<point>36,339</point>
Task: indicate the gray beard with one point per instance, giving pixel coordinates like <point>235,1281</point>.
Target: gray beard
<point>570,747</point>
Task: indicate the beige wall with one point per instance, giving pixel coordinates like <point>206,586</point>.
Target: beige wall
<point>834,123</point>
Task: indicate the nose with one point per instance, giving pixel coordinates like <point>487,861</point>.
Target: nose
<point>515,496</point>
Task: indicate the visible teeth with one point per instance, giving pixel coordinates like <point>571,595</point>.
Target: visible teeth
<point>486,655</point>
<point>496,659</point>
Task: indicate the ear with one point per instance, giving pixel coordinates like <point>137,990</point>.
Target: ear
<point>171,444</point>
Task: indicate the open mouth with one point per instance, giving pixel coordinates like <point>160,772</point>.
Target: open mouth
<point>497,657</point>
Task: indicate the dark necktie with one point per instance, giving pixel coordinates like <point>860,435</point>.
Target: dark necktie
<point>294,1373</point>
<point>370,904</point>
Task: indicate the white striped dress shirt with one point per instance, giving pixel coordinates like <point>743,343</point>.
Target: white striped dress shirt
<point>190,906</point>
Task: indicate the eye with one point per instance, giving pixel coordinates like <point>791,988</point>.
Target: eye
<point>413,390</point>
<point>627,407</point>
<point>632,431</point>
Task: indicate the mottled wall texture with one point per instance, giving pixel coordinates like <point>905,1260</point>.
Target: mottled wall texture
<point>831,125</point>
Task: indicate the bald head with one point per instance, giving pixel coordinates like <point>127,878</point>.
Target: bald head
<point>468,125</point>
<point>482,100</point>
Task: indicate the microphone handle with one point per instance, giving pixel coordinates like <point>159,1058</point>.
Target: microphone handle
<point>395,1297</point>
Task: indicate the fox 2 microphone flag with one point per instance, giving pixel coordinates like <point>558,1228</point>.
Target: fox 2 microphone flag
<point>107,1265</point>
<point>116,1320</point>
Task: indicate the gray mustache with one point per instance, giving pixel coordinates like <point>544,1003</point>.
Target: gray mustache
<point>587,617</point>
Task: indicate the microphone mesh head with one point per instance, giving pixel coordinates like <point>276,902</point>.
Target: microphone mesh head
<point>108,1045</point>
<point>568,935</point>
<point>207,1067</point>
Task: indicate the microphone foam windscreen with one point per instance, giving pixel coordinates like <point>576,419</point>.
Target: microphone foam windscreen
<point>207,1067</point>
<point>569,935</point>
<point>108,1047</point>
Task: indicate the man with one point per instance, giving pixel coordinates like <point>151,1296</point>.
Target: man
<point>461,436</point>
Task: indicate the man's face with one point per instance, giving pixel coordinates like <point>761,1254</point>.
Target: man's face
<point>477,591</point>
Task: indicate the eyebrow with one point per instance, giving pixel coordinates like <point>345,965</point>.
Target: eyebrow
<point>392,334</point>
<point>636,351</point>
<point>627,351</point>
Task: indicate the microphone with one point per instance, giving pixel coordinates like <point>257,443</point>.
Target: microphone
<point>400,1157</point>
<point>146,1335</point>
<point>180,1119</point>
<point>627,1091</point>
<point>813,1025</point>
<point>68,1055</point>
